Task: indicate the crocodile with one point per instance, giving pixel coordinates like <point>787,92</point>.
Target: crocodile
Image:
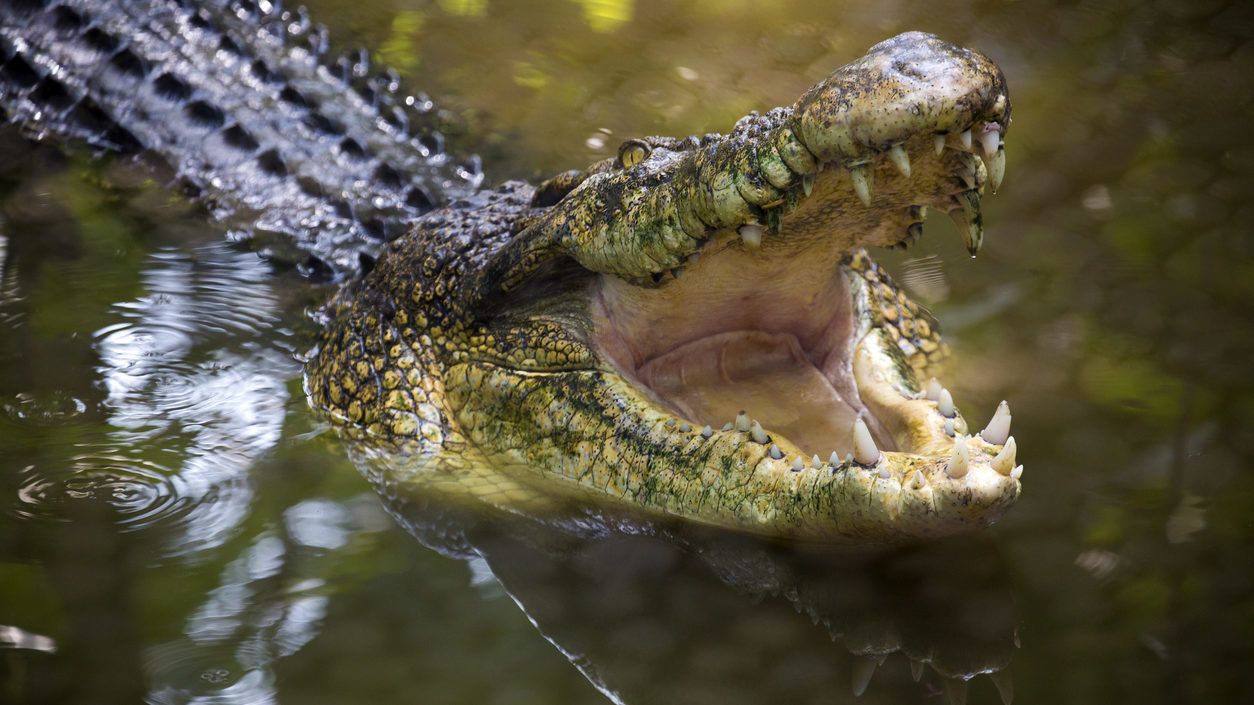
<point>691,329</point>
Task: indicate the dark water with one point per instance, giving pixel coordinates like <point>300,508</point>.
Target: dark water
<point>177,528</point>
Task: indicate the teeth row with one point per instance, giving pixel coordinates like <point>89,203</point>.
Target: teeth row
<point>1003,462</point>
<point>993,153</point>
<point>997,432</point>
<point>868,455</point>
<point>865,452</point>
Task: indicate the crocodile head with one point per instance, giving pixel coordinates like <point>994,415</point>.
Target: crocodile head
<point>693,327</point>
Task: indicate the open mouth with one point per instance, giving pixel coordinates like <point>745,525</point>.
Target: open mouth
<point>792,337</point>
<point>695,328</point>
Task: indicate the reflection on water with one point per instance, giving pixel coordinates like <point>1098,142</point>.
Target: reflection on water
<point>175,526</point>
<point>192,398</point>
<point>656,614</point>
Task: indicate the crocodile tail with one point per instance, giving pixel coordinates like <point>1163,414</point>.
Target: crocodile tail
<point>248,109</point>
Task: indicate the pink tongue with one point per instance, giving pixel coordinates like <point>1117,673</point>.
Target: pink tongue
<point>767,375</point>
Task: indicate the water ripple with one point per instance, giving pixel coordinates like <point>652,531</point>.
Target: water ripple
<point>195,373</point>
<point>141,492</point>
<point>182,672</point>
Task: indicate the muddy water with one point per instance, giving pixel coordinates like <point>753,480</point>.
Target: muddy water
<point>175,527</point>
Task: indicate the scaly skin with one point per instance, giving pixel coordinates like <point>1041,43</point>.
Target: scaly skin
<point>487,342</point>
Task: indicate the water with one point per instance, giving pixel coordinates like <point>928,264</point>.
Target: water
<point>176,527</point>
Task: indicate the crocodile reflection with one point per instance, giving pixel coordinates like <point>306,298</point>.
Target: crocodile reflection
<point>663,613</point>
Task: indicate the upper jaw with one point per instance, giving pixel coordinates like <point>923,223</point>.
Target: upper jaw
<point>885,111</point>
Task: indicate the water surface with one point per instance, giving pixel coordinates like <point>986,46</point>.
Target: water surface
<point>176,527</point>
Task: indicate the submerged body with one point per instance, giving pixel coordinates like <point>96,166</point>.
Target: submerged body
<point>690,329</point>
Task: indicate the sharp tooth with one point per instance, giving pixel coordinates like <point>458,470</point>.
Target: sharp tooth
<point>815,461</point>
<point>969,221</point>
<point>863,669</point>
<point>833,460</point>
<point>884,474</point>
<point>742,422</point>
<point>807,183</point>
<point>670,423</point>
<point>1017,472</point>
<point>775,452</point>
<point>707,432</point>
<point>938,143</point>
<point>901,160</point>
<point>797,464</point>
<point>918,482</point>
<point>990,139</point>
<point>864,450</point>
<point>757,433</point>
<point>751,235</point>
<point>933,390</point>
<point>916,670</point>
<point>1005,686</point>
<point>861,184</point>
<point>684,427</point>
<point>945,404</point>
<point>965,139</point>
<point>727,426</point>
<point>959,460</point>
<point>949,427</point>
<point>998,428</point>
<point>996,165</point>
<point>1004,461</point>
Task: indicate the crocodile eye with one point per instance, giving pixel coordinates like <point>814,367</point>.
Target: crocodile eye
<point>632,152</point>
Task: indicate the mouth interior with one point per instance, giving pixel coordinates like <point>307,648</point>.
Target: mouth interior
<point>769,332</point>
<point>767,375</point>
<point>771,329</point>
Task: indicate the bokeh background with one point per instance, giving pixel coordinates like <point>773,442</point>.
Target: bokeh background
<point>175,527</point>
